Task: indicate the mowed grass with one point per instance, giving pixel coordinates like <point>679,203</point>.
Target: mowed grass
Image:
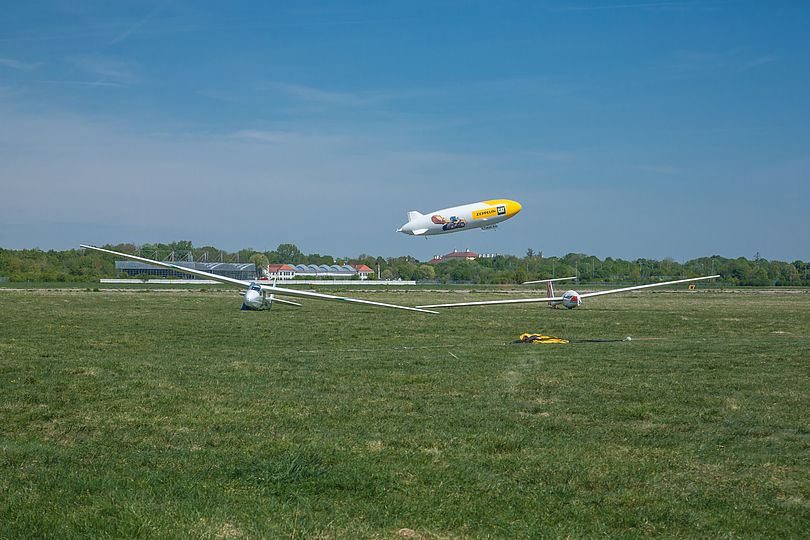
<point>173,414</point>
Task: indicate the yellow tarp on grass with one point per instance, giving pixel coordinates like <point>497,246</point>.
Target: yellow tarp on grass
<point>541,338</point>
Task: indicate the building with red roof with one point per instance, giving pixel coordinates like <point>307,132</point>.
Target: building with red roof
<point>456,255</point>
<point>362,270</point>
<point>280,271</point>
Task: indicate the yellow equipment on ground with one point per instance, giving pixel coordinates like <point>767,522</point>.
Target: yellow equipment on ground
<point>541,338</point>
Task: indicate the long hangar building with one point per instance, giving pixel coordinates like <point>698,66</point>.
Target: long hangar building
<point>244,271</point>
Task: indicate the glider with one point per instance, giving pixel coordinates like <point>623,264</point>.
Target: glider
<point>258,296</point>
<point>570,299</point>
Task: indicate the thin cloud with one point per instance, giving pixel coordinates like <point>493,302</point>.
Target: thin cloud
<point>62,81</point>
<point>281,137</point>
<point>69,32</point>
<point>220,95</point>
<point>552,155</point>
<point>18,64</point>
<point>135,27</point>
<point>109,70</point>
<point>9,91</point>
<point>632,6</point>
<point>656,169</point>
<point>693,63</point>
<point>317,95</point>
<point>756,62</point>
<point>504,87</point>
<point>275,137</point>
<point>173,27</point>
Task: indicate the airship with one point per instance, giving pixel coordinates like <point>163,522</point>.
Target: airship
<point>480,215</point>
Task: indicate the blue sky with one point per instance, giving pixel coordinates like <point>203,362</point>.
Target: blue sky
<point>625,128</point>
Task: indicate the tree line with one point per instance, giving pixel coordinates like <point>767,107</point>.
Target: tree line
<point>74,265</point>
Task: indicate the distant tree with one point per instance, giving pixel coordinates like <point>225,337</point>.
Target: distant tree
<point>261,262</point>
<point>289,253</point>
<point>316,258</point>
<point>85,265</point>
<point>125,248</point>
<point>406,269</point>
<point>789,275</point>
<point>425,272</point>
<point>760,277</point>
<point>180,245</point>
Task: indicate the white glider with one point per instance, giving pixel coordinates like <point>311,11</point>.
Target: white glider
<point>256,295</point>
<point>570,299</point>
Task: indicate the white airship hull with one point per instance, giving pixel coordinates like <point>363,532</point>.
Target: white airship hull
<point>484,214</point>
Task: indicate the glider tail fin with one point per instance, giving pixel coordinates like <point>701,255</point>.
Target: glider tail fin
<point>413,214</point>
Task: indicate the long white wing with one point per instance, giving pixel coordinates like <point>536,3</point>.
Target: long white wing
<point>559,299</point>
<point>288,302</point>
<point>549,280</point>
<point>322,296</point>
<point>495,302</point>
<point>242,283</point>
<point>637,287</point>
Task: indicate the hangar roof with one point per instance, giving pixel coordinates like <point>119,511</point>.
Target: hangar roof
<point>213,267</point>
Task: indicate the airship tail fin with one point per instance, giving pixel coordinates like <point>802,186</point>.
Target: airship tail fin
<point>413,214</point>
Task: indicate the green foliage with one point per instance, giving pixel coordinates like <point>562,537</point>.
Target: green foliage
<point>425,272</point>
<point>79,266</point>
<point>290,254</point>
<point>260,260</point>
<point>55,266</point>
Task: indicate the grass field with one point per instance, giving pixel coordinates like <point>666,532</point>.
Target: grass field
<point>173,414</point>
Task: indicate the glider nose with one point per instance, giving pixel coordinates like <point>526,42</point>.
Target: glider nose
<point>514,207</point>
<point>253,300</point>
